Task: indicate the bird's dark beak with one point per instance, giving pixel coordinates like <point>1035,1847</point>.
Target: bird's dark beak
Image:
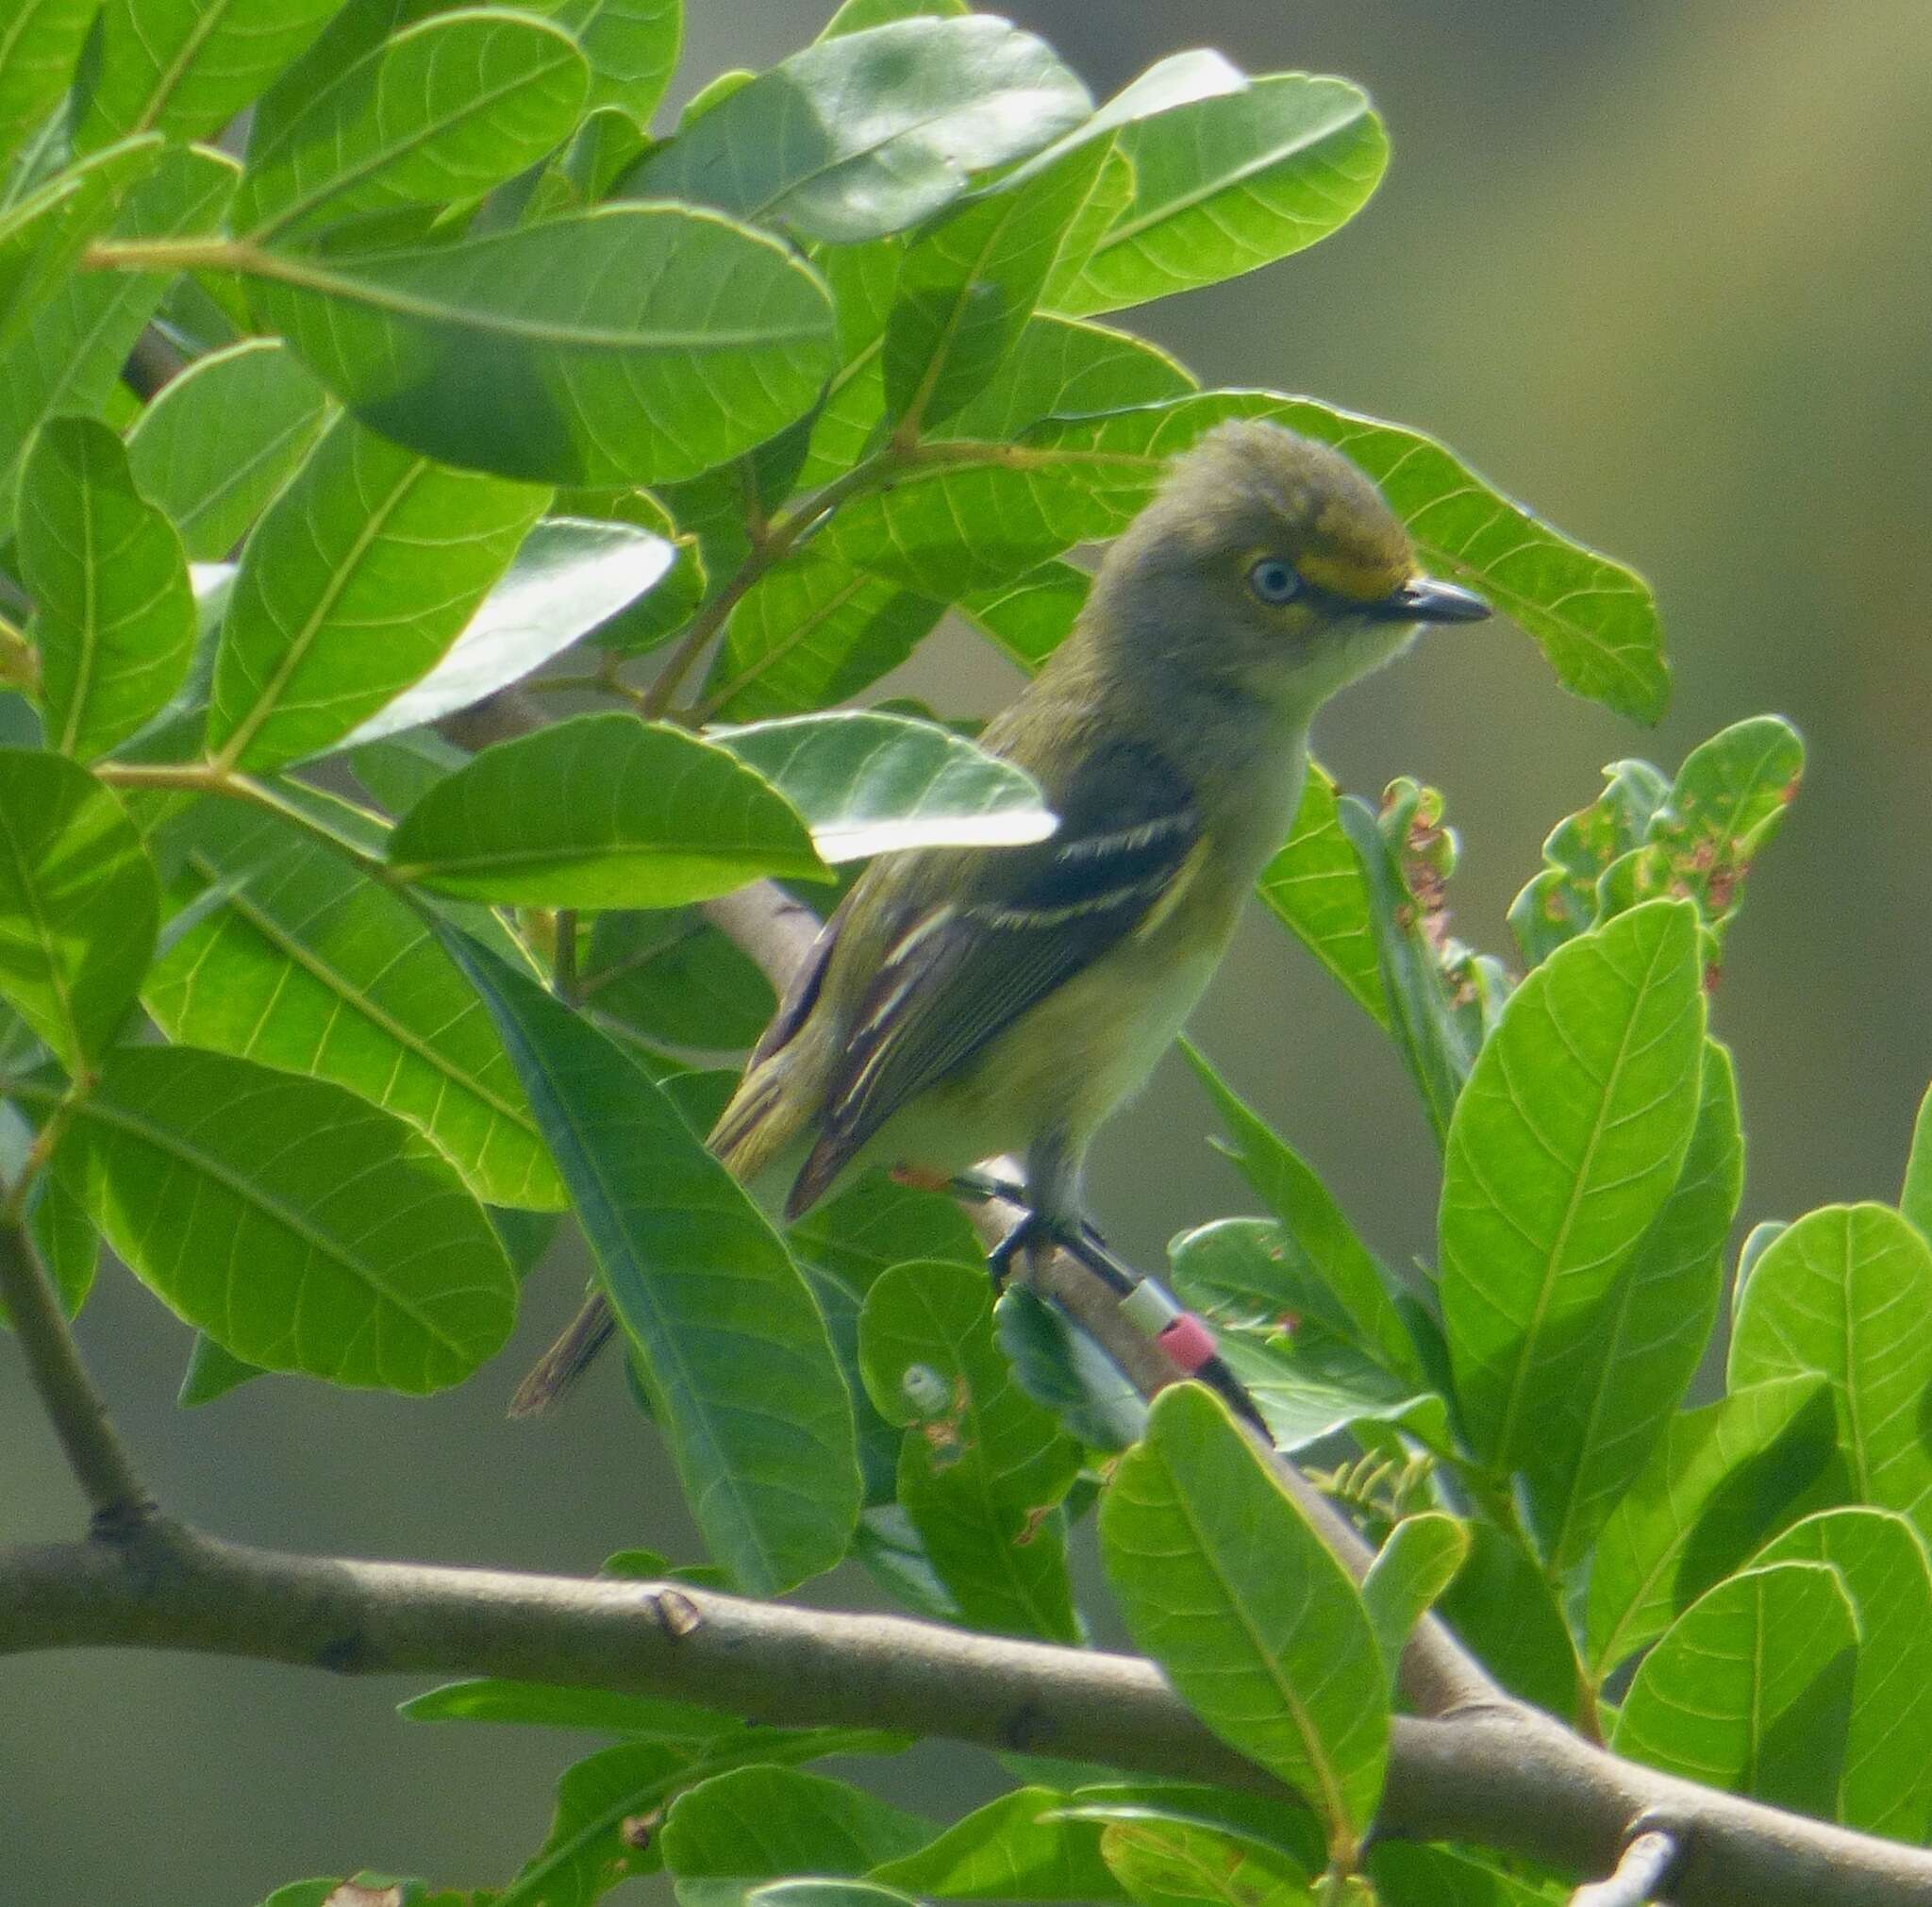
<point>1424,600</point>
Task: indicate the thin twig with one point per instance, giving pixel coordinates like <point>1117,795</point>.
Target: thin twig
<point>100,1463</point>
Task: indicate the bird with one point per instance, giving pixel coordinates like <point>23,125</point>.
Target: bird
<point>968,1002</point>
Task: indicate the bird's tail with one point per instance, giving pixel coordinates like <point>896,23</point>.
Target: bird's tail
<point>567,1359</point>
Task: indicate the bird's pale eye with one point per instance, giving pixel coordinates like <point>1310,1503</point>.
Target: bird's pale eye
<point>1274,581</point>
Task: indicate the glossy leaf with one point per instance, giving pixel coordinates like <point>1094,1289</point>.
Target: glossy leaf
<point>1881,1565</point>
<point>186,67</point>
<point>982,1467</point>
<point>869,783</point>
<point>870,132</point>
<point>813,1893</point>
<point>759,1823</point>
<point>1726,1477</point>
<point>39,46</point>
<point>731,1347</point>
<point>1225,184</point>
<point>300,1226</point>
<point>43,232</point>
<point>601,811</point>
<point>439,113</point>
<point>1314,886</point>
<point>1814,1305</point>
<point>66,361</point>
<point>1411,1570</point>
<point>1246,1610</point>
<point>1614,1377</point>
<point>308,966</point>
<point>1326,1271</point>
<point>857,16</point>
<point>78,903</point>
<point>1012,1849</point>
<point>114,614</point>
<point>812,631</point>
<point>355,583</point>
<point>631,46</point>
<point>622,344</point>
<point>222,438</point>
<point>1751,1687</point>
<point>568,578</point>
<point>1565,1144</point>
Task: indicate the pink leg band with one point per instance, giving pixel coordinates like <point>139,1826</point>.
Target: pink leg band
<point>1188,1343</point>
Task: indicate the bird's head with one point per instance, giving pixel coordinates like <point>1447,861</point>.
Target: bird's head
<point>1271,563</point>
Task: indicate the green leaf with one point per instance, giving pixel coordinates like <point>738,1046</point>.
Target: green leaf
<point>1314,886</point>
<point>114,615</point>
<point>871,783</point>
<point>1723,1479</point>
<point>62,1233</point>
<point>871,133</point>
<point>186,67</point>
<point>536,1704</point>
<point>1326,1270</point>
<point>354,586</point>
<point>590,1848</point>
<point>733,1350</point>
<point>1881,1565</point>
<point>811,631</point>
<point>1164,1860</point>
<point>1565,1144</point>
<point>811,1893</point>
<point>1010,1850</point>
<point>1246,1609</point>
<point>982,1469</point>
<point>1408,1875</point>
<point>1750,1688</point>
<point>671,979</point>
<point>1029,619</point>
<point>212,1373</point>
<point>1728,800</point>
<point>223,438</point>
<point>622,344</point>
<point>876,1223</point>
<point>857,16</point>
<point>953,531</point>
<point>440,113</point>
<point>1561,901</point>
<point>1814,1305</point>
<point>67,360</point>
<point>758,1823</point>
<point>1614,1376</point>
<point>567,577</point>
<point>631,45</point>
<point>1225,184</point>
<point>1057,1365</point>
<point>1309,1385</point>
<point>1502,1607</point>
<point>39,46</point>
<point>79,904</point>
<point>601,811</point>
<point>43,233</point>
<point>300,1226</point>
<point>1412,1569</point>
<point>1915,1196</point>
<point>308,966</point>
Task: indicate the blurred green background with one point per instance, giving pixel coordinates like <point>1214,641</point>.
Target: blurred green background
<point>1665,272</point>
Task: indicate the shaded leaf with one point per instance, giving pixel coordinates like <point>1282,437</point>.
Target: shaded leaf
<point>876,1223</point>
<point>1723,1479</point>
<point>1814,1306</point>
<point>1564,1145</point>
<point>601,811</point>
<point>631,46</point>
<point>869,783</point>
<point>733,1350</point>
<point>1057,1365</point>
<point>222,438</point>
<point>1561,901</point>
<point>438,113</point>
<point>300,1226</point>
<point>1750,1688</point>
<point>114,615</point>
<point>1246,1609</point>
<point>1411,1570</point>
<point>1503,1608</point>
<point>670,978</point>
<point>78,905</point>
<point>1029,619</point>
<point>212,1372</point>
<point>353,586</point>
<point>39,46</point>
<point>622,344</point>
<point>870,132</point>
<point>567,579</point>
<point>489,1698</point>
<point>1408,1875</point>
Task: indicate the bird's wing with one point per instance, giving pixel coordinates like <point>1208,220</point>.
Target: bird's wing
<point>1023,922</point>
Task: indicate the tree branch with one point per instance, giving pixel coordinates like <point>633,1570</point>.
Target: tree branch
<point>1504,1777</point>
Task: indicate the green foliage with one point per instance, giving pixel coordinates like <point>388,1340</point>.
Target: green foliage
<point>322,1075</point>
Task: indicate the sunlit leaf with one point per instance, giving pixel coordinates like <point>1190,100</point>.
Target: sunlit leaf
<point>1411,1569</point>
<point>39,46</point>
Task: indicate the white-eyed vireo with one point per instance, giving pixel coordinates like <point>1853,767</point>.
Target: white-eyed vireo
<point>967,1002</point>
